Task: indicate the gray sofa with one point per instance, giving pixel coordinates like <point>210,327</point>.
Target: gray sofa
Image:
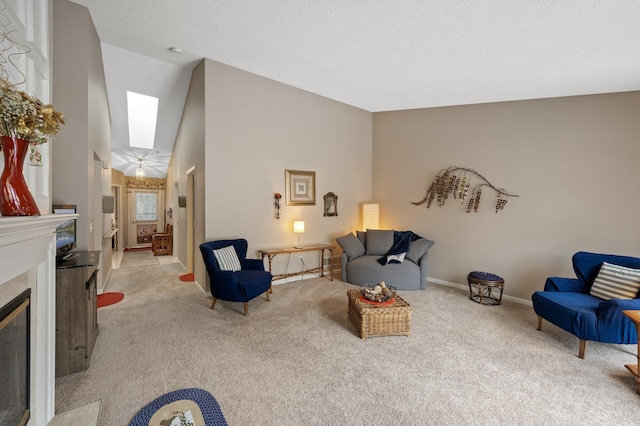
<point>360,265</point>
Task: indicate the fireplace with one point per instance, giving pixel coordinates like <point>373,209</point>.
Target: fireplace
<point>15,331</point>
<point>27,262</point>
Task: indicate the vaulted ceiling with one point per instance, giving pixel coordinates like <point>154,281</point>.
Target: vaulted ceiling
<point>375,55</point>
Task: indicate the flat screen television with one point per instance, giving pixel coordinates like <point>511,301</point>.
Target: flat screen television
<point>65,232</point>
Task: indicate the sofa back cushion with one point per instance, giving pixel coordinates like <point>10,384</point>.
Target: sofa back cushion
<point>418,248</point>
<point>351,245</point>
<point>379,242</point>
<point>587,265</point>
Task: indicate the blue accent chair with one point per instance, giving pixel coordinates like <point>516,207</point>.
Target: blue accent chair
<point>566,302</point>
<point>239,286</point>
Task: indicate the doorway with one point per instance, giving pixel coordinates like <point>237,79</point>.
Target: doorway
<point>145,212</point>
<point>116,223</point>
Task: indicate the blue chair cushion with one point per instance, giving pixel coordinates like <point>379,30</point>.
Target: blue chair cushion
<point>484,276</point>
<point>573,312</point>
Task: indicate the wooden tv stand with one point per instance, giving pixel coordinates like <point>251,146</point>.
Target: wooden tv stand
<point>76,311</point>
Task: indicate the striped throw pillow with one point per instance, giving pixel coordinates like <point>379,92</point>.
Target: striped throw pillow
<point>227,259</point>
<point>616,282</point>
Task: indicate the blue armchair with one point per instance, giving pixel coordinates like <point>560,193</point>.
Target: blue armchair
<point>567,303</point>
<point>235,286</point>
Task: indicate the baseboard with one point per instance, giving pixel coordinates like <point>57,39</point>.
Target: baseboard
<point>465,287</point>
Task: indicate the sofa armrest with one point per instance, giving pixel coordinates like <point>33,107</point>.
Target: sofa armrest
<point>565,284</point>
<point>422,262</point>
<point>253,264</point>
<point>613,325</point>
<point>344,259</point>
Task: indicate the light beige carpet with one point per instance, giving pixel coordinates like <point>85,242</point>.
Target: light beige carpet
<point>297,360</point>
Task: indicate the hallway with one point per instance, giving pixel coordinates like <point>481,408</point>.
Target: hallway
<point>151,286</point>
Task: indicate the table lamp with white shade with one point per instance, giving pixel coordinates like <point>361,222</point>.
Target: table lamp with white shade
<point>298,228</point>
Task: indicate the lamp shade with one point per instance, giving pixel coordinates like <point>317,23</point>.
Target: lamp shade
<point>298,226</point>
<point>370,216</point>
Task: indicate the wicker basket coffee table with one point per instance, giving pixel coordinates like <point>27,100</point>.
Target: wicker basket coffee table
<point>372,321</point>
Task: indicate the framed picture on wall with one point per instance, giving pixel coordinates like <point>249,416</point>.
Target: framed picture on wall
<point>300,188</point>
<point>330,204</point>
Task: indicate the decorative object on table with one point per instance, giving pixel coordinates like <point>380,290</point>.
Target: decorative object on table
<point>379,293</point>
<point>370,216</point>
<point>300,188</point>
<point>373,321</point>
<point>485,288</point>
<point>456,181</point>
<point>276,205</point>
<point>24,121</point>
<point>330,204</point>
<point>298,228</point>
<point>196,406</point>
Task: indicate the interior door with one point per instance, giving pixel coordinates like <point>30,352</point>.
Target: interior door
<point>146,216</point>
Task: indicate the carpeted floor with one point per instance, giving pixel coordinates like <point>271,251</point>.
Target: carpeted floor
<point>297,360</point>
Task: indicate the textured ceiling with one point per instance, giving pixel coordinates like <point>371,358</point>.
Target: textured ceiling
<point>392,55</point>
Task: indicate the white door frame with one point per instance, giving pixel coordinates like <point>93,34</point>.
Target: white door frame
<point>191,219</point>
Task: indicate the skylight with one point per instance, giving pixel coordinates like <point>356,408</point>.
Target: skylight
<point>143,115</point>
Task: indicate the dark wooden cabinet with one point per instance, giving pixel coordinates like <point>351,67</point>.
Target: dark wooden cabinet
<point>76,312</point>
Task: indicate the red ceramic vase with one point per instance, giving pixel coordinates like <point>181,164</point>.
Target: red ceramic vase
<point>15,197</point>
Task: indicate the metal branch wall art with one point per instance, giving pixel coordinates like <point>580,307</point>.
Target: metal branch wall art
<point>456,181</point>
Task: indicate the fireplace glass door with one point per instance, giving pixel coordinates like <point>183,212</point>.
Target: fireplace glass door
<point>14,360</point>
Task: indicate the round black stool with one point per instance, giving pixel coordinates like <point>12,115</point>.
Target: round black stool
<point>485,288</point>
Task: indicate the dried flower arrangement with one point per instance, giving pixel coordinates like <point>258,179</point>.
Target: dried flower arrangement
<point>456,181</point>
<point>26,117</point>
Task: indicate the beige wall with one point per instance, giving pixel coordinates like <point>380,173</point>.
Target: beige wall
<point>255,129</point>
<point>188,154</point>
<point>78,151</point>
<point>573,161</point>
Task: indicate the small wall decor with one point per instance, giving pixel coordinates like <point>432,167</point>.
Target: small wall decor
<point>300,188</point>
<point>276,205</point>
<point>330,204</point>
<point>456,181</point>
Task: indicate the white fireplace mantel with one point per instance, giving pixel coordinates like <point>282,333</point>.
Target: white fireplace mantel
<point>27,248</point>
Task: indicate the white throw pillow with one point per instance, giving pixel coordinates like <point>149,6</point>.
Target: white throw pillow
<point>616,282</point>
<point>227,259</point>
